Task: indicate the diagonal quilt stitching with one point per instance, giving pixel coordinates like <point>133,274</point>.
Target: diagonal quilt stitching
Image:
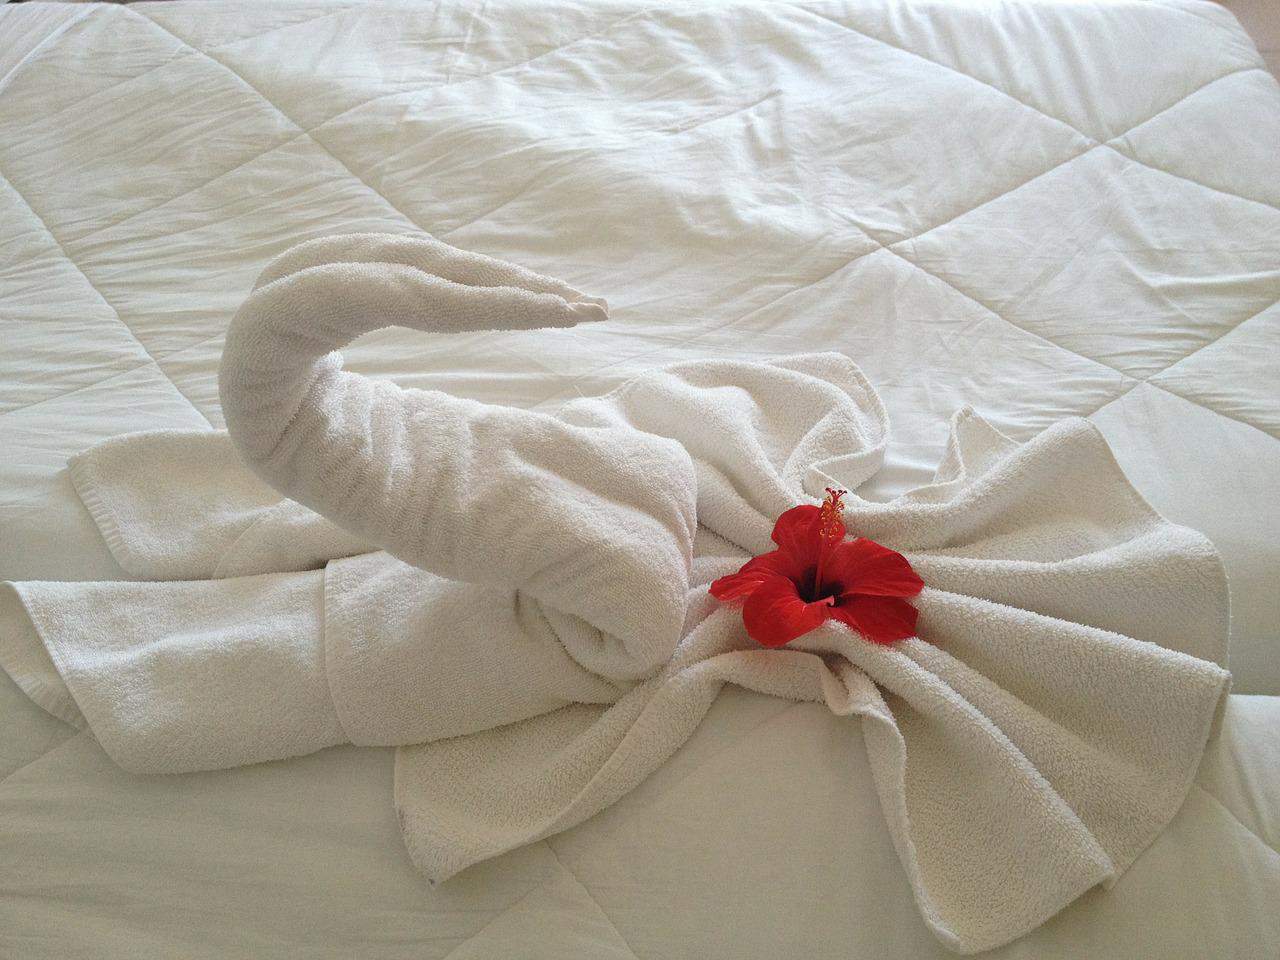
<point>1145,379</point>
<point>950,69</point>
<point>88,11</point>
<point>646,10</point>
<point>1179,176</point>
<point>1217,339</point>
<point>529,893</point>
<point>52,236</point>
<point>991,86</point>
<point>877,246</point>
<point>484,76</point>
<point>1108,402</point>
<point>1234,71</point>
<point>316,140</point>
<point>506,201</point>
<point>54,34</point>
<point>989,200</point>
<point>73,735</point>
<point>497,916</point>
<point>742,738</point>
<point>307,132</point>
<point>787,708</point>
<point>310,132</point>
<point>1094,143</point>
<point>262,97</point>
<point>1135,381</point>
<point>604,913</point>
<point>1204,406</point>
<point>1004,193</point>
<point>459,51</point>
<point>721,328</point>
<point>192,345</point>
<point>1047,116</point>
<point>1148,379</point>
<point>995,313</point>
<point>1163,389</point>
<point>78,389</point>
<point>873,240</point>
<point>150,361</point>
<point>340,9</point>
<point>186,193</point>
<point>1243,826</point>
<point>1182,176</point>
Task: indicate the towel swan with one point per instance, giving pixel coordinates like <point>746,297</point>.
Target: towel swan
<point>519,602</point>
<point>455,487</point>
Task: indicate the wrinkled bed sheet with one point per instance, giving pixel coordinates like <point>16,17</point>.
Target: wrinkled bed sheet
<point>1041,209</point>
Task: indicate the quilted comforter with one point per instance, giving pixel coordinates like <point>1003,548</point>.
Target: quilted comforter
<point>1040,209</point>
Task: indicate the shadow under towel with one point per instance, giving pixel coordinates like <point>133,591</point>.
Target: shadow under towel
<point>519,601</point>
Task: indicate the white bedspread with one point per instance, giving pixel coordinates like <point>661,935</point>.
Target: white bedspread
<point>1039,209</point>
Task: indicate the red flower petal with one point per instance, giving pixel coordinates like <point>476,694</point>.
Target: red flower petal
<point>741,584</point>
<point>879,619</point>
<point>775,615</point>
<point>863,567</point>
<point>798,533</point>
<point>779,562</point>
<point>735,586</point>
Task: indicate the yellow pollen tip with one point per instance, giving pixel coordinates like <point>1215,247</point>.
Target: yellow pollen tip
<point>832,515</point>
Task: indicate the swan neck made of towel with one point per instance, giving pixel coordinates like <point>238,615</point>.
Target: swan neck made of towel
<point>597,522</point>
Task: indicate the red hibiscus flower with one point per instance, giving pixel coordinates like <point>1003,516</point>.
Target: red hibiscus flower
<point>816,574</point>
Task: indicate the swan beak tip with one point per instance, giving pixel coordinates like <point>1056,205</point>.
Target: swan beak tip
<point>594,310</point>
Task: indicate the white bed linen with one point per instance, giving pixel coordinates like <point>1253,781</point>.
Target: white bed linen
<point>1040,209</point>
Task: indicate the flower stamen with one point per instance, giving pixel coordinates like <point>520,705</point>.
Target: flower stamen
<point>831,520</point>
<point>830,528</point>
<point>817,575</point>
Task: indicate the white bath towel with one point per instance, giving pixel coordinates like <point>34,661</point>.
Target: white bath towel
<point>546,640</point>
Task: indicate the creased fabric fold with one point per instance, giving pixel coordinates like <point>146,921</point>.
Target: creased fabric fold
<point>519,601</point>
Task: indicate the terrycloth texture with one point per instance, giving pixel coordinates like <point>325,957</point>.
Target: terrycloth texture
<point>1033,740</point>
<point>237,526</point>
<point>597,523</point>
